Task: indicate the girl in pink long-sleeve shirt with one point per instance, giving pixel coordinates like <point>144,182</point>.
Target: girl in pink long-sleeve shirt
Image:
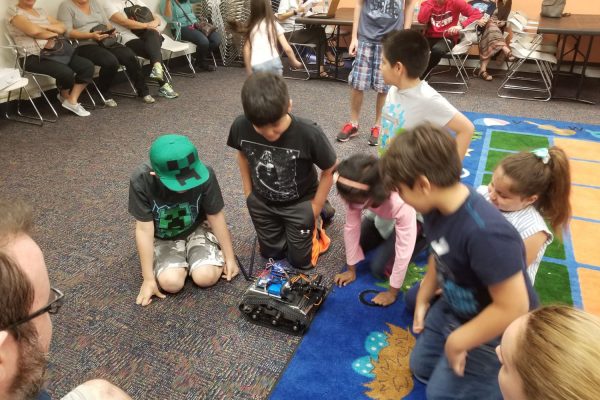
<point>359,184</point>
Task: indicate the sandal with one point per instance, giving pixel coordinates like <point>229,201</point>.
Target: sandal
<point>510,57</point>
<point>324,74</point>
<point>340,63</point>
<point>485,76</point>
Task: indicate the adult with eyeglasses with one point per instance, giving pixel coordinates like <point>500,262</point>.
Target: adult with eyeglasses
<point>26,301</point>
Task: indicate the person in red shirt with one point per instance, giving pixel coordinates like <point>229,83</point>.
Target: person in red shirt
<point>441,16</point>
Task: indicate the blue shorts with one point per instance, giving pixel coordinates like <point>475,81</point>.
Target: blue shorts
<point>366,69</point>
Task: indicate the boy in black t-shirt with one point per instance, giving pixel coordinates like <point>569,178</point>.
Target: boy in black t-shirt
<point>477,259</point>
<point>172,199</point>
<point>277,154</point>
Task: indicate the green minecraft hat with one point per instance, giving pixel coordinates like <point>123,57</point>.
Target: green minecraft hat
<point>175,161</point>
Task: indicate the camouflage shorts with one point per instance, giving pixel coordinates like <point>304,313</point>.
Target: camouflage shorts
<point>199,248</point>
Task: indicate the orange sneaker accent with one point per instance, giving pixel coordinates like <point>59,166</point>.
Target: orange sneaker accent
<point>321,242</point>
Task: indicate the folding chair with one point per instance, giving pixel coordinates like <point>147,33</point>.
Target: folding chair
<point>176,45</point>
<point>526,47</point>
<point>456,55</point>
<point>20,59</point>
<point>304,52</point>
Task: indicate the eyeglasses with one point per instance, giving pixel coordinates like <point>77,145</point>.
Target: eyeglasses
<point>54,304</point>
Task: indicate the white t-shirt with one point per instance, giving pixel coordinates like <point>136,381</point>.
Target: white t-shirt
<point>262,49</point>
<point>285,6</point>
<point>112,7</point>
<point>407,108</point>
<point>527,222</point>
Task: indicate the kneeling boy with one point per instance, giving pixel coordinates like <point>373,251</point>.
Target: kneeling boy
<point>171,199</point>
<point>277,154</point>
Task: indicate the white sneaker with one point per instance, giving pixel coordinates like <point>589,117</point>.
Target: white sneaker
<point>148,99</point>
<point>76,109</point>
<point>110,103</point>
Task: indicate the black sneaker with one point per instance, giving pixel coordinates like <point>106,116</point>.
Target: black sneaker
<point>205,66</point>
<point>348,130</point>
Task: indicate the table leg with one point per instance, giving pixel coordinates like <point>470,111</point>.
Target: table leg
<point>584,68</point>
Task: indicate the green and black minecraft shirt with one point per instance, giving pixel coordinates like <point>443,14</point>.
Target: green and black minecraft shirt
<point>175,215</point>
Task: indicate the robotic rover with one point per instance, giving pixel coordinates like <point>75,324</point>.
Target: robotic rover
<point>283,299</point>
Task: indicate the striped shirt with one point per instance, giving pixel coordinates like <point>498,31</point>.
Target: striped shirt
<point>527,222</point>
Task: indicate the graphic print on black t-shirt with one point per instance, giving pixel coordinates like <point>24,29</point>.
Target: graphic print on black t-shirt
<point>173,219</point>
<point>384,8</point>
<point>273,170</point>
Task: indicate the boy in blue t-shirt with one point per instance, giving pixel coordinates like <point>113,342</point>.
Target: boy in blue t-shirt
<point>477,260</point>
<point>372,20</point>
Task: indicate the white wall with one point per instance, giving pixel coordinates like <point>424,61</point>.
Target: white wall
<point>51,6</point>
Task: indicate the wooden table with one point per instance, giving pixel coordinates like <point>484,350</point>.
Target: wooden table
<point>576,26</point>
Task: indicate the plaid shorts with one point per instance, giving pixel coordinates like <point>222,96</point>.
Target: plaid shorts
<point>366,70</point>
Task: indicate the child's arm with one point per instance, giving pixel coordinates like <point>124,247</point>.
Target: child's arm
<point>289,51</point>
<point>409,11</point>
<point>354,252</point>
<point>325,183</point>
<point>426,292</point>
<point>464,130</point>
<point>144,239</point>
<point>219,227</point>
<point>406,235</point>
<point>355,19</point>
<point>248,57</point>
<point>533,245</point>
<point>509,301</point>
<point>245,173</point>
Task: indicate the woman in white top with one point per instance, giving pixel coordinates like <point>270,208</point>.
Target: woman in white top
<point>33,29</point>
<point>261,34</point>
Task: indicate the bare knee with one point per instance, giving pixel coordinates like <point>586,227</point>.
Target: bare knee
<point>172,280</point>
<point>206,275</point>
<point>101,389</point>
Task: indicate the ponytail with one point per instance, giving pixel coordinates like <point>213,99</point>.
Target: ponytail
<point>545,173</point>
<point>364,170</point>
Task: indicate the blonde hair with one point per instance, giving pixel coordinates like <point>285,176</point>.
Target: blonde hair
<point>558,355</point>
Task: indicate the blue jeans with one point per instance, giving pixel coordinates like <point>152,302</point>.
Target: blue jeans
<point>274,65</point>
<point>203,44</point>
<point>429,364</point>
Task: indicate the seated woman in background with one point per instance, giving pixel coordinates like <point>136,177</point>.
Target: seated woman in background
<point>180,12</point>
<point>145,42</point>
<point>287,13</point>
<point>82,19</point>
<point>33,29</point>
<point>551,353</point>
<point>491,26</point>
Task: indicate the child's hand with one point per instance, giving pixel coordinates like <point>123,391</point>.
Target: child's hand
<point>419,318</point>
<point>296,64</point>
<point>384,298</point>
<point>230,270</point>
<point>345,278</point>
<point>456,355</point>
<point>149,288</point>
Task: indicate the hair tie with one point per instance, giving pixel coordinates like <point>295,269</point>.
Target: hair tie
<point>543,154</point>
<point>350,183</point>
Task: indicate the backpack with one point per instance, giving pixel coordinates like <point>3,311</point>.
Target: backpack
<point>553,8</point>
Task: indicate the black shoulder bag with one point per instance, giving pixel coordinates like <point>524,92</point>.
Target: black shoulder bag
<point>108,42</point>
<point>61,51</point>
<point>140,14</point>
<point>203,26</point>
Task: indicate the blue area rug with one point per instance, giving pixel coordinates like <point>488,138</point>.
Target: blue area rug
<point>332,361</point>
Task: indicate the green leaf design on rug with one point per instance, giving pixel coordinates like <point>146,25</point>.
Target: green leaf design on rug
<point>414,274</point>
<point>516,142</point>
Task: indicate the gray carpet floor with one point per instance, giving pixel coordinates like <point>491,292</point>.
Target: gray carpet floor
<point>194,344</point>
